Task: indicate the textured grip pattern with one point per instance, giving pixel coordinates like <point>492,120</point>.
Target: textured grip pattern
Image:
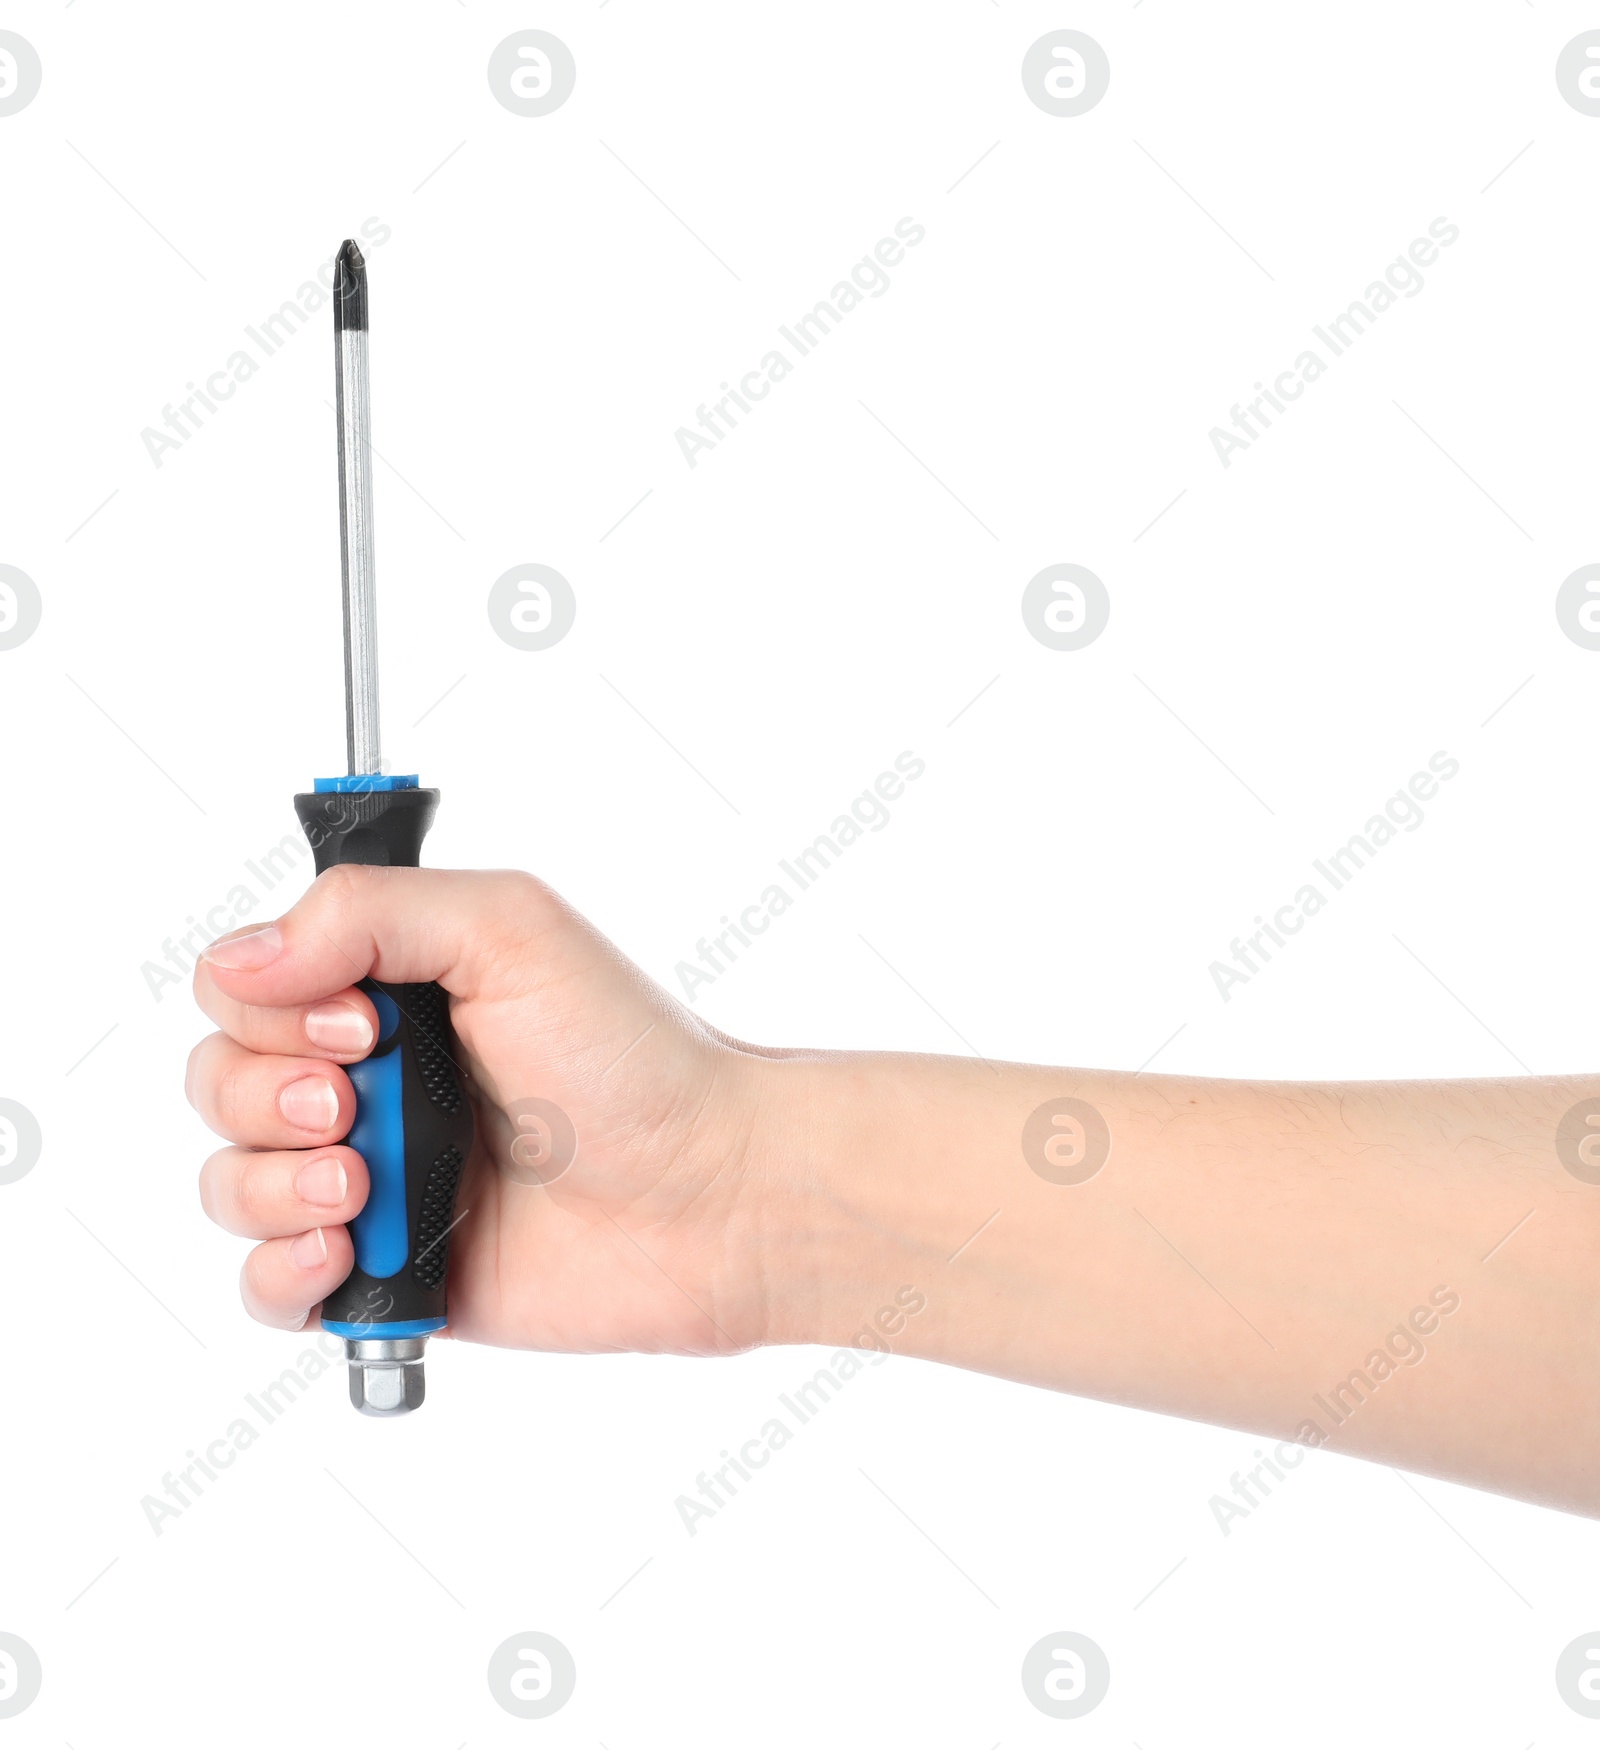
<point>425,1006</point>
<point>434,1219</point>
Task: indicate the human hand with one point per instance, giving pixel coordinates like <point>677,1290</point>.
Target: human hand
<point>645,1240</point>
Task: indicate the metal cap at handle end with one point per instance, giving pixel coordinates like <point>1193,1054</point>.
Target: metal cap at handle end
<point>386,1377</point>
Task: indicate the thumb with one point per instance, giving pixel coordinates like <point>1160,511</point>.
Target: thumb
<point>456,928</point>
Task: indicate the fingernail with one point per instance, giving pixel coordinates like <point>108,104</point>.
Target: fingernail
<point>323,1182</point>
<point>310,1251</point>
<point>339,1027</point>
<point>245,953</point>
<point>310,1103</point>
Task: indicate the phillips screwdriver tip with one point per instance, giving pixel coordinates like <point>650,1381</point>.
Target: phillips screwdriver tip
<point>350,287</point>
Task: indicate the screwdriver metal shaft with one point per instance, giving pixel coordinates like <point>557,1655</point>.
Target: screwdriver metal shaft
<point>353,407</point>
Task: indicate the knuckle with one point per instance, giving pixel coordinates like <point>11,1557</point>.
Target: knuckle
<point>525,892</point>
<point>227,1103</point>
<point>209,1172</point>
<point>518,911</point>
<point>252,1198</point>
<point>256,1291</point>
<point>194,1070</point>
<point>252,1281</point>
<point>342,886</point>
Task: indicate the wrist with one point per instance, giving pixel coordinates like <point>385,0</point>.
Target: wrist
<point>860,1197</point>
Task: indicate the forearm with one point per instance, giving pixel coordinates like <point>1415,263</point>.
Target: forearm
<point>1321,1262</point>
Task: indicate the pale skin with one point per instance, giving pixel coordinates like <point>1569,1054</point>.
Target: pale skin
<point>1244,1249</point>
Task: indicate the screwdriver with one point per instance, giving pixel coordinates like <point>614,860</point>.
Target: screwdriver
<point>413,1125</point>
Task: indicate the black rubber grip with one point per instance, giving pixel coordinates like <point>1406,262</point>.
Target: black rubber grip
<point>414,1121</point>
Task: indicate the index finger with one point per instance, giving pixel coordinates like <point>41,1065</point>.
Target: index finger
<point>342,1027</point>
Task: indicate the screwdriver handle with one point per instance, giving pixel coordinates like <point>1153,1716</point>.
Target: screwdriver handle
<point>413,1125</point>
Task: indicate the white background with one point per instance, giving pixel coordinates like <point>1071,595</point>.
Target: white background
<point>1366,585</point>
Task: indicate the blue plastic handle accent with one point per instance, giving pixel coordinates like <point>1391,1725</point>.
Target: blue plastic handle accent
<point>388,1014</point>
<point>357,782</point>
<point>379,1137</point>
<point>383,1332</point>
